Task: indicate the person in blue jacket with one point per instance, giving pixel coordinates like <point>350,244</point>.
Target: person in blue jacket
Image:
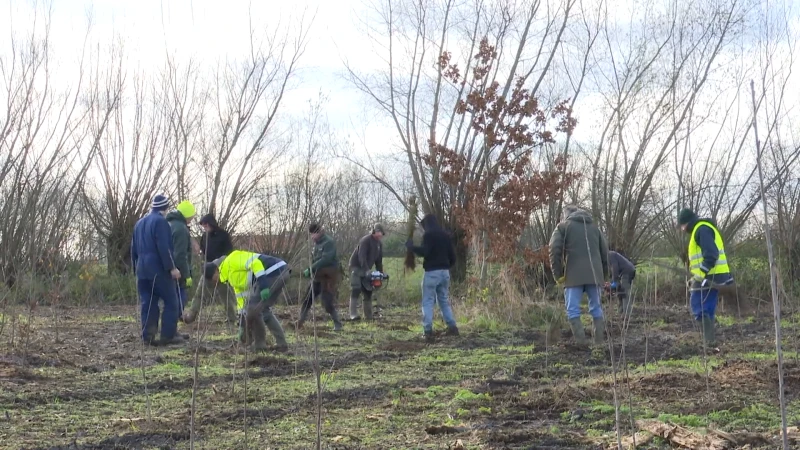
<point>156,274</point>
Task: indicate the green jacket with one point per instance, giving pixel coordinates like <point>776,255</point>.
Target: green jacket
<point>182,244</point>
<point>579,251</point>
<point>324,253</point>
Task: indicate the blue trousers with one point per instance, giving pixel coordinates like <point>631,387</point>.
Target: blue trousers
<point>573,296</point>
<point>704,303</point>
<point>435,289</point>
<point>150,292</point>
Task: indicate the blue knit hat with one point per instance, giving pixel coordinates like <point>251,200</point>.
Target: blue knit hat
<point>160,202</point>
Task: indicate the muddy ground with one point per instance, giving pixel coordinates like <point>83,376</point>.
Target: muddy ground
<point>86,382</point>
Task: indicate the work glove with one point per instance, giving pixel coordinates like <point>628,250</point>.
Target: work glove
<point>561,281</point>
<point>307,273</point>
<point>613,285</point>
<point>409,244</point>
<point>189,282</point>
<point>264,294</point>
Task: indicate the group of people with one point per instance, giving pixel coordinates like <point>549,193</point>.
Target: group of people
<point>581,262</point>
<point>161,251</point>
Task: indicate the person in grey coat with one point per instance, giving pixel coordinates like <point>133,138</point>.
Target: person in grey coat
<point>622,274</point>
<point>579,261</point>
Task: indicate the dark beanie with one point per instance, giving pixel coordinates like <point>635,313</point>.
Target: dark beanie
<point>160,202</point>
<point>209,269</point>
<point>314,228</point>
<point>686,216</point>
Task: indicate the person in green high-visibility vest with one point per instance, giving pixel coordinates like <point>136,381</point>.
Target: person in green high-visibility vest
<point>708,264</point>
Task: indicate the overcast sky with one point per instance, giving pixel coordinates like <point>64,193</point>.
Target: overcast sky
<point>211,30</point>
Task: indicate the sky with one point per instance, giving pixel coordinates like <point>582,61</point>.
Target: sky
<point>213,30</point>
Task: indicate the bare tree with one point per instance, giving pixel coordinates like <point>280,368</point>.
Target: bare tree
<point>131,162</point>
<point>652,77</point>
<point>423,106</point>
<point>246,98</point>
<point>45,149</point>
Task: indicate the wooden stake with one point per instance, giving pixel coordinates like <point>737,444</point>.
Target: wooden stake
<point>773,280</point>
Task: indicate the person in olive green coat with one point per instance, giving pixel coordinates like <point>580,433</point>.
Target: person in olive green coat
<point>179,224</point>
<point>325,273</point>
<point>579,260</point>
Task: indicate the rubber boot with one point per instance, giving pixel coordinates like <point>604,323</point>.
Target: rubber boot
<point>337,324</point>
<point>259,331</point>
<point>577,331</point>
<point>599,325</point>
<point>302,319</point>
<point>354,308</point>
<point>368,309</point>
<point>151,332</point>
<point>178,339</point>
<point>230,307</point>
<point>429,337</point>
<point>452,331</point>
<point>276,330</point>
<point>709,331</point>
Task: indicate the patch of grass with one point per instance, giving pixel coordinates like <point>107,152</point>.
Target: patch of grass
<point>131,319</point>
<point>726,321</point>
<point>755,417</point>
<point>771,356</point>
<point>694,364</point>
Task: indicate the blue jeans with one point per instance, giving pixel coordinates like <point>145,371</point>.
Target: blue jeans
<point>704,303</point>
<point>150,292</point>
<point>435,288</point>
<point>573,296</point>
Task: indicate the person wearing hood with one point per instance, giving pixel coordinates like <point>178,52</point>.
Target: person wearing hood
<point>708,265</point>
<point>152,255</point>
<point>579,261</point>
<point>179,221</point>
<point>214,244</point>
<point>438,257</point>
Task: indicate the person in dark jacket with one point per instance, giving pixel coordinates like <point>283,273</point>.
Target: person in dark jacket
<point>214,244</point>
<point>156,274</point>
<point>579,260</point>
<point>368,253</point>
<point>181,240</point>
<point>438,257</point>
<point>622,274</point>
<point>325,273</point>
<point>708,264</point>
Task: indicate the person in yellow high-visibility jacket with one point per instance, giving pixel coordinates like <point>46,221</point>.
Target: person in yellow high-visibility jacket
<point>708,264</point>
<point>257,280</point>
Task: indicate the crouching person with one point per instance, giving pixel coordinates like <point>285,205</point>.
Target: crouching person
<point>257,281</point>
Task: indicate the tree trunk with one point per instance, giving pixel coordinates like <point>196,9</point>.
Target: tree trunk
<point>118,252</point>
<point>459,270</point>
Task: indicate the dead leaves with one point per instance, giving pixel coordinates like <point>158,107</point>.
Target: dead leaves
<point>694,439</point>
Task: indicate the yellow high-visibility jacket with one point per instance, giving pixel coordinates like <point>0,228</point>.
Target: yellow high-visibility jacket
<point>247,273</point>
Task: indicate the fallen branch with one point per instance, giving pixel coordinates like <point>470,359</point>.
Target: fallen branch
<point>694,439</point>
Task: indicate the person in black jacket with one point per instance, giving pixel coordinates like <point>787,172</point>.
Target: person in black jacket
<point>214,244</point>
<point>438,257</point>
